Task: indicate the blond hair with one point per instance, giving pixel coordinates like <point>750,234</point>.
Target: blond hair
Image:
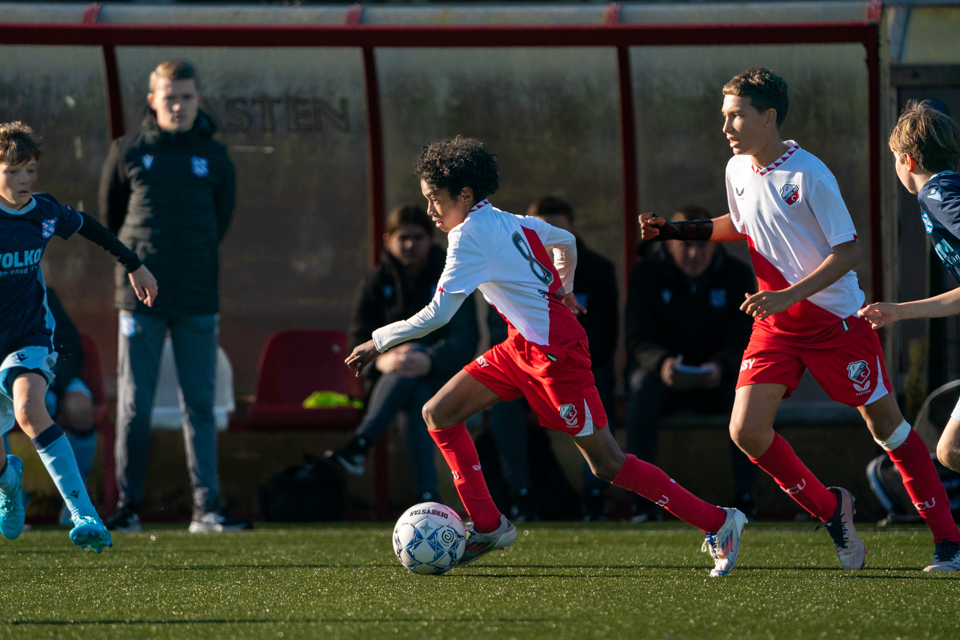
<point>173,70</point>
<point>18,143</point>
<point>929,136</point>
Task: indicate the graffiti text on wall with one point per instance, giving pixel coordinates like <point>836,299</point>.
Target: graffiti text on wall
<point>294,114</point>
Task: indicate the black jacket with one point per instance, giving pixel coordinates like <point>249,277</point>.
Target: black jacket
<point>67,343</point>
<point>670,315</point>
<point>170,197</point>
<point>595,287</point>
<point>386,297</point>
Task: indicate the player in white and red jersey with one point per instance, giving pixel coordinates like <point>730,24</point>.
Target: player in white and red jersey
<point>524,267</point>
<point>786,204</point>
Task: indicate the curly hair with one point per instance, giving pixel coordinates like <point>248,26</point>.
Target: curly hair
<point>458,163</point>
<point>18,143</point>
<point>765,89</point>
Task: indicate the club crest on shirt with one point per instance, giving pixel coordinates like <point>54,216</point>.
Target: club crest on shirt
<point>200,166</point>
<point>147,161</point>
<point>927,223</point>
<point>569,414</point>
<point>49,226</point>
<point>718,298</point>
<point>859,373</point>
<point>790,193</point>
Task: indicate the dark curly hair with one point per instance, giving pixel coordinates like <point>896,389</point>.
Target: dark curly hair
<point>458,163</point>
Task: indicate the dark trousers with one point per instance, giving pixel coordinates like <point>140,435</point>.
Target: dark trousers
<point>650,399</point>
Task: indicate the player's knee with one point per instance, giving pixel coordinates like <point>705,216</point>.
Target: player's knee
<point>430,414</point>
<point>948,455</point>
<point>28,412</point>
<point>607,465</point>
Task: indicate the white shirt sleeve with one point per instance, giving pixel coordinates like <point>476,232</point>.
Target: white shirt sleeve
<point>830,211</point>
<point>732,203</point>
<point>433,316</point>
<point>562,246</point>
<point>467,265</point>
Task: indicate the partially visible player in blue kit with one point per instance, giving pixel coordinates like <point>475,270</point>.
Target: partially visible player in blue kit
<point>926,145</point>
<point>27,222</point>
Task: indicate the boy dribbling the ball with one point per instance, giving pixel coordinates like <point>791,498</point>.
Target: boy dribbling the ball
<point>27,222</point>
<point>525,268</point>
<point>787,205</point>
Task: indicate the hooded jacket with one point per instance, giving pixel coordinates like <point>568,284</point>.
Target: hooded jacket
<point>668,314</point>
<point>169,197</point>
<point>388,296</point>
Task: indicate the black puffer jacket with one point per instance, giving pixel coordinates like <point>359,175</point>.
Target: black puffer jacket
<point>386,297</point>
<point>668,314</point>
<point>170,197</point>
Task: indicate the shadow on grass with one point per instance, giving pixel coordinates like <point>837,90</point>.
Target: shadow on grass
<point>271,621</point>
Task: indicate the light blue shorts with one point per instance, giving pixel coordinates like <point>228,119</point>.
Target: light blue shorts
<point>38,359</point>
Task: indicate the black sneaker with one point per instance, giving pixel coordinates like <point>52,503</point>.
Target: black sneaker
<point>594,506</point>
<point>744,503</point>
<point>524,507</point>
<point>351,456</point>
<point>643,510</point>
<point>125,520</point>
<point>214,522</point>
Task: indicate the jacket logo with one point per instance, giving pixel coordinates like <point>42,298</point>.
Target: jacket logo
<point>147,161</point>
<point>200,166</point>
<point>790,193</point>
<point>666,294</point>
<point>859,372</point>
<point>718,298</point>
<point>49,226</point>
<point>387,291</point>
<point>569,414</point>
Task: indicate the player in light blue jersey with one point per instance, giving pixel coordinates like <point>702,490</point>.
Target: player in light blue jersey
<point>27,222</point>
<point>926,145</point>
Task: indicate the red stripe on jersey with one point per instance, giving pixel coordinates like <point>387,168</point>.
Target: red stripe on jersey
<point>804,324</point>
<point>564,326</point>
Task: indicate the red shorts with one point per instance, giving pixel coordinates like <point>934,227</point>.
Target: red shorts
<point>853,374</point>
<point>557,383</point>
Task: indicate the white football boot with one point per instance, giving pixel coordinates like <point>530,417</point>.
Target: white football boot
<point>850,548</point>
<point>724,545</point>
<point>479,544</point>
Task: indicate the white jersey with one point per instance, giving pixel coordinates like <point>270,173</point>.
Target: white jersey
<point>518,263</point>
<point>793,215</point>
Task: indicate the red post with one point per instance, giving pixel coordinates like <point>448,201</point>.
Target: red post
<point>872,44</point>
<point>374,153</point>
<point>628,152</point>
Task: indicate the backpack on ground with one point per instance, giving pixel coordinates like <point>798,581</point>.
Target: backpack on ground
<point>311,492</point>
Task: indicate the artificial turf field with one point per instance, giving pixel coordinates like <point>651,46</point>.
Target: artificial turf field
<point>561,580</point>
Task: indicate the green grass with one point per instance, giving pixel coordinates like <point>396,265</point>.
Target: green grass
<point>561,580</point>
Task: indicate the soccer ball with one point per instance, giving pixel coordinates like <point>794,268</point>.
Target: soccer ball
<point>429,538</point>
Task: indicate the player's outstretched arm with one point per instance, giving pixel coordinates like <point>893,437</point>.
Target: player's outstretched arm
<point>766,303</point>
<point>882,314</point>
<point>654,227</point>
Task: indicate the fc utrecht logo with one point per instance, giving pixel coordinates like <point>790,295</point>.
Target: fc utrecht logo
<point>49,226</point>
<point>200,166</point>
<point>859,372</point>
<point>790,193</point>
<point>569,414</point>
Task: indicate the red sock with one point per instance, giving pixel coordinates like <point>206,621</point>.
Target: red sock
<point>458,450</point>
<point>923,484</point>
<point>655,485</point>
<point>793,477</point>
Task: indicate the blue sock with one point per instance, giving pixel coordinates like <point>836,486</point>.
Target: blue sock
<point>84,447</point>
<point>57,456</point>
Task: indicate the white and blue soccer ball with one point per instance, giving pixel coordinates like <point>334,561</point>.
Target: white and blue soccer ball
<point>429,538</point>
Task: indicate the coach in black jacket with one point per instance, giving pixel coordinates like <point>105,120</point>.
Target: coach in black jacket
<point>405,377</point>
<point>683,310</point>
<point>167,191</point>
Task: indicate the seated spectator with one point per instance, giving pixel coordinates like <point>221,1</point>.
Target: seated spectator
<point>685,339</point>
<point>404,378</point>
<point>595,287</point>
<point>68,399</point>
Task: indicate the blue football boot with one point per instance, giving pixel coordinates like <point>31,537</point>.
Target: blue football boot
<point>89,531</point>
<point>12,514</point>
